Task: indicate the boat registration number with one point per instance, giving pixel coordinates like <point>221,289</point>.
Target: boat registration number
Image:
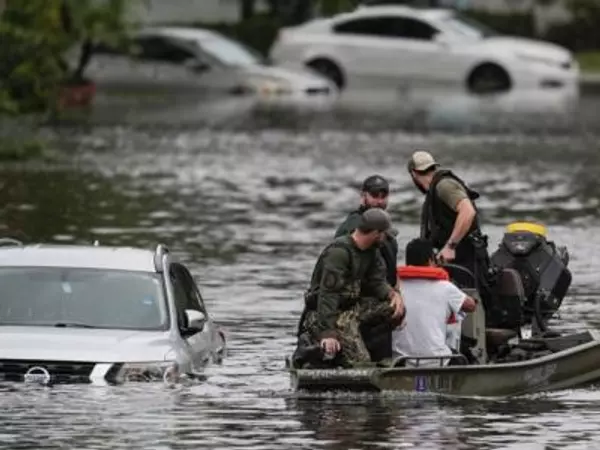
<point>433,383</point>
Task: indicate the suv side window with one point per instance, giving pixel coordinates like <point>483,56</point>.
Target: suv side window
<point>186,293</point>
<point>152,48</point>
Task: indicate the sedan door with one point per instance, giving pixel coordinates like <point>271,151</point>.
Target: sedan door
<point>159,69</point>
<point>390,51</point>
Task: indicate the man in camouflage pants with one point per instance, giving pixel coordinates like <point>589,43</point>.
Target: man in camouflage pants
<point>333,310</point>
<point>374,193</point>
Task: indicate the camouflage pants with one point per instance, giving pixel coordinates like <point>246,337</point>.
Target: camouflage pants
<point>369,314</point>
<point>374,312</point>
<point>376,327</point>
<point>353,349</point>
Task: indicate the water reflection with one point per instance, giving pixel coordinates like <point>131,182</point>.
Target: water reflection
<point>420,109</point>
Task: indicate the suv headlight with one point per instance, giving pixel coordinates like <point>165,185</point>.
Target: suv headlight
<point>166,371</point>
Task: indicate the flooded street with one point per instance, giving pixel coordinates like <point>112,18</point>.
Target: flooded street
<point>249,208</point>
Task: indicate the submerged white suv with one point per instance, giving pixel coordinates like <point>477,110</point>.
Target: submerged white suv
<point>101,315</point>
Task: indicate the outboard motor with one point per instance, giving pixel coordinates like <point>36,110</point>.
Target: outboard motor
<point>542,268</point>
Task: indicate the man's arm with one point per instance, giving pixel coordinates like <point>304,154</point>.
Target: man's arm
<point>464,220</point>
<point>458,300</point>
<point>376,278</point>
<point>332,290</point>
<point>455,197</point>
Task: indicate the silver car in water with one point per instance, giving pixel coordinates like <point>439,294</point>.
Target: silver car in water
<point>101,315</point>
<point>185,64</point>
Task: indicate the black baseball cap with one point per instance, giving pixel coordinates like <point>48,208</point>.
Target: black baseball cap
<point>375,184</point>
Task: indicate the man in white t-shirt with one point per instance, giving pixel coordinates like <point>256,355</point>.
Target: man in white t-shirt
<point>430,300</point>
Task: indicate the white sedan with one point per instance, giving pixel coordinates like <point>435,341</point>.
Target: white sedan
<point>400,47</point>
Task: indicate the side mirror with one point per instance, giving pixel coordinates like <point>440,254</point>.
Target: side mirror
<point>441,39</point>
<point>196,65</point>
<point>195,320</point>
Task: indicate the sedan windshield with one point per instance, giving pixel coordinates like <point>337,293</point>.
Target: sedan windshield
<point>230,53</point>
<point>465,26</point>
<point>87,298</point>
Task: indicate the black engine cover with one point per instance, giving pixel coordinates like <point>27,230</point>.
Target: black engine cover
<point>542,267</point>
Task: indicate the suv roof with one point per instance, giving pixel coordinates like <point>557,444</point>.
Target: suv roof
<point>83,256</point>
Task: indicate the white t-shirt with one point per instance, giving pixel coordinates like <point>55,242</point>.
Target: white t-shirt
<point>429,304</point>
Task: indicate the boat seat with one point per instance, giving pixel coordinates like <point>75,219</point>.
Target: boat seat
<point>496,337</point>
<point>507,309</point>
<point>510,284</point>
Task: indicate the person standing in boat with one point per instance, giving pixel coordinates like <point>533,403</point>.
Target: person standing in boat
<point>433,302</point>
<point>449,218</point>
<point>375,194</point>
<point>333,311</point>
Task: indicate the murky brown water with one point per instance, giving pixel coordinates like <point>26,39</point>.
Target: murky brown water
<point>249,210</point>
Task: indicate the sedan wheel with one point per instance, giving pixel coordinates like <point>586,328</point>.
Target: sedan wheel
<point>488,79</point>
<point>329,70</point>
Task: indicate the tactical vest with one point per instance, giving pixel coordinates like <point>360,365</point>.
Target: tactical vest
<point>437,218</point>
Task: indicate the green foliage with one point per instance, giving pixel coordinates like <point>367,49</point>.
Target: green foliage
<point>583,33</point>
<point>512,23</point>
<point>19,149</point>
<point>37,34</point>
<point>589,61</point>
<point>32,41</point>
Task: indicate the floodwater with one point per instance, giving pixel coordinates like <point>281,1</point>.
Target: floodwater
<point>248,208</point>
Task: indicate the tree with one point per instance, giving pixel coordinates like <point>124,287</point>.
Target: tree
<point>36,35</point>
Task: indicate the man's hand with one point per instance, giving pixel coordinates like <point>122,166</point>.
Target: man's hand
<point>397,303</point>
<point>330,345</point>
<point>447,254</point>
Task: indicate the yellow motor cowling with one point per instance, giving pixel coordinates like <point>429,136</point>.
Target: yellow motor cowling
<point>530,227</point>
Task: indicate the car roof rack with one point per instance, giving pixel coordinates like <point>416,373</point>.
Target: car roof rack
<point>6,242</point>
<point>161,251</point>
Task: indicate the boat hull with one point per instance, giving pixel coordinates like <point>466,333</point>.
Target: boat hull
<point>566,368</point>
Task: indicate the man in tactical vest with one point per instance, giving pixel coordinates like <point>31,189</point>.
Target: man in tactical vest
<point>374,194</point>
<point>449,216</point>
<point>333,309</point>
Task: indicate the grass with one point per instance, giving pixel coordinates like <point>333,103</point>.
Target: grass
<point>589,61</point>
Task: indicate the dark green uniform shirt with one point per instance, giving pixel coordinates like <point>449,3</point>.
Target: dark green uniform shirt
<point>342,272</point>
<point>388,250</point>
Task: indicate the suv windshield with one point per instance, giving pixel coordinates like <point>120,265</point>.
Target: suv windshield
<point>95,298</point>
<point>458,24</point>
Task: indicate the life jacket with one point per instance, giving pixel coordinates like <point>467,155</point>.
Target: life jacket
<point>422,272</point>
<point>426,273</point>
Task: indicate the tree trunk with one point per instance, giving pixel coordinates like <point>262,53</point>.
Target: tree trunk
<point>274,7</point>
<point>247,9</point>
<point>301,11</point>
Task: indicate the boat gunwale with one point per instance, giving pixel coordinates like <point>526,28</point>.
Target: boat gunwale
<point>559,355</point>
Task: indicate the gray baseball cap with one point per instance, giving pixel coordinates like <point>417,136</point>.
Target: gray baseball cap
<point>376,219</point>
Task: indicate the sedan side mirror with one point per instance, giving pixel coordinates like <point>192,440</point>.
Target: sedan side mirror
<point>441,39</point>
<point>195,320</point>
<point>196,65</point>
